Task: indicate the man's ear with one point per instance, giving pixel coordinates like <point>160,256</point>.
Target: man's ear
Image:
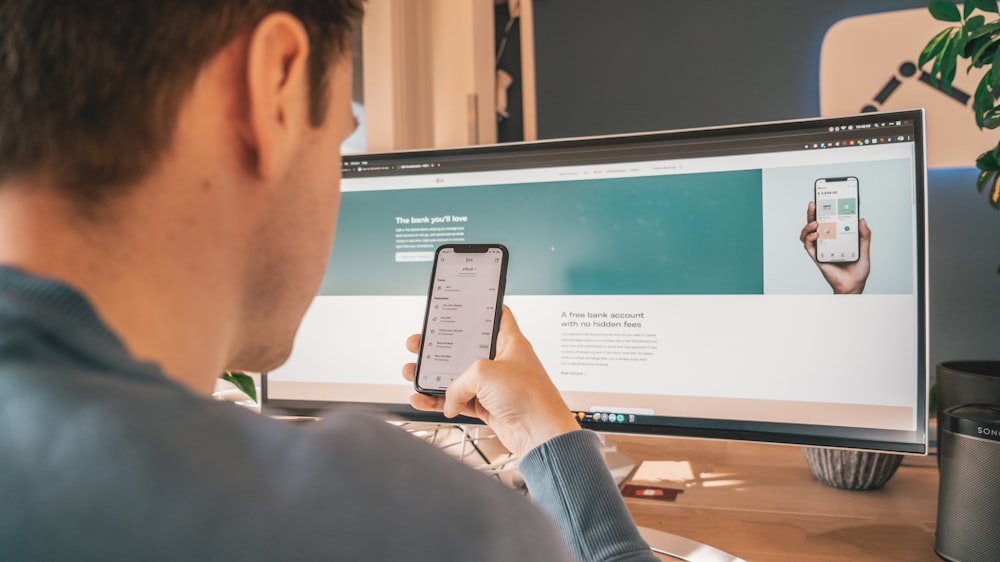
<point>277,92</point>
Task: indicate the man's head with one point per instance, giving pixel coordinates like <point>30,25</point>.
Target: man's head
<point>195,144</point>
<point>91,88</point>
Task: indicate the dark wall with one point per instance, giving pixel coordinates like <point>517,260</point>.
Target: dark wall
<point>612,66</point>
<point>964,260</point>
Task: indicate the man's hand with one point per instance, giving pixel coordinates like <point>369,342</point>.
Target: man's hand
<point>511,393</point>
<point>844,278</point>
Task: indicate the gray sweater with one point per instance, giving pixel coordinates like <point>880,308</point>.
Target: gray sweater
<point>104,458</point>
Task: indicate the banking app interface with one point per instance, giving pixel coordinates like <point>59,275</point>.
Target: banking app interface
<point>837,215</point>
<point>460,315</point>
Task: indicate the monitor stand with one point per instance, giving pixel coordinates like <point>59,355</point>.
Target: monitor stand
<point>681,548</point>
<point>662,542</point>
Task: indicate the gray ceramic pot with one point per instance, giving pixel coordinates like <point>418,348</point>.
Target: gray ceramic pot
<point>851,470</point>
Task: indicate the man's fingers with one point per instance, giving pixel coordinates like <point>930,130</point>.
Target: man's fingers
<point>807,230</point>
<point>866,237</point>
<point>413,343</point>
<point>464,389</point>
<point>427,403</point>
<point>509,333</point>
<point>410,371</point>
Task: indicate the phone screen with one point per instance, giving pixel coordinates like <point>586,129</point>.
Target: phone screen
<point>464,304</point>
<point>837,215</point>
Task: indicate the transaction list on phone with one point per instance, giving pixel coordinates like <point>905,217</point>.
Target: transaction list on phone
<point>462,317</point>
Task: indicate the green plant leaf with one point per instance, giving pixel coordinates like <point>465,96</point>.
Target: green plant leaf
<point>242,381</point>
<point>939,62</point>
<point>987,162</point>
<point>982,101</point>
<point>991,119</point>
<point>933,48</point>
<point>995,64</point>
<point>950,59</point>
<point>948,74</point>
<point>985,30</point>
<point>970,43</point>
<point>983,180</point>
<point>984,5</point>
<point>973,23</point>
<point>994,194</point>
<point>944,11</point>
<point>981,51</point>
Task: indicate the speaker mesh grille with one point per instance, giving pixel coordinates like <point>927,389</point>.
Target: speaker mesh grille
<point>968,525</point>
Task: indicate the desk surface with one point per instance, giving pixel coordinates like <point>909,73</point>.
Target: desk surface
<point>760,502</point>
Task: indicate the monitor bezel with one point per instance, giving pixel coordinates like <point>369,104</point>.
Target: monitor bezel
<point>769,432</point>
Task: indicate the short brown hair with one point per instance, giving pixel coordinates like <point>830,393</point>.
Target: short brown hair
<point>90,89</point>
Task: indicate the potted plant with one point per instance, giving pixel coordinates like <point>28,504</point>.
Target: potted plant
<point>243,382</point>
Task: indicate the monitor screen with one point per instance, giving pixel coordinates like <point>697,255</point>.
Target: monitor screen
<point>660,277</point>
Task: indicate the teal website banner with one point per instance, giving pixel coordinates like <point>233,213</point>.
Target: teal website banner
<point>678,234</point>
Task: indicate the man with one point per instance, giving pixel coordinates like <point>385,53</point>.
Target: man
<point>168,193</point>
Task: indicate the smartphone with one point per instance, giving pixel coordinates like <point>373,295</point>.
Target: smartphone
<point>464,304</point>
<point>837,207</point>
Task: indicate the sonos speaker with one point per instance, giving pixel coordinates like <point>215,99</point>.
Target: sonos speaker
<point>968,521</point>
<point>967,382</point>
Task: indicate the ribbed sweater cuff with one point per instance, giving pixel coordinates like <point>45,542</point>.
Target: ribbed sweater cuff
<point>568,478</point>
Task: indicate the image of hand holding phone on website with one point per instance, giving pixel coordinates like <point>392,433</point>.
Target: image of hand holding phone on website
<point>835,236</point>
<point>462,318</point>
<point>837,214</point>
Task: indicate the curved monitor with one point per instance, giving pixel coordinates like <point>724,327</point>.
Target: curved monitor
<point>660,277</point>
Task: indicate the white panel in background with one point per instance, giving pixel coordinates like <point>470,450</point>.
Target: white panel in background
<point>869,63</point>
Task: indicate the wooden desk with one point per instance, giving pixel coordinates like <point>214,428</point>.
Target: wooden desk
<point>761,503</point>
